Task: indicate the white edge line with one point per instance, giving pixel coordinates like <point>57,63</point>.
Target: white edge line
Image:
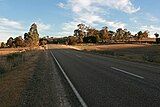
<point>127,72</point>
<point>70,83</point>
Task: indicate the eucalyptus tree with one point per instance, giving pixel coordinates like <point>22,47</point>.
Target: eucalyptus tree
<point>10,42</point>
<point>104,34</point>
<point>156,35</point>
<point>80,32</point>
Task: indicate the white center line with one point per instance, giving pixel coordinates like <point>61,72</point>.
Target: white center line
<point>127,72</point>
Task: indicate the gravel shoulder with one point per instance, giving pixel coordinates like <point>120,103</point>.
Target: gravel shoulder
<point>47,87</point>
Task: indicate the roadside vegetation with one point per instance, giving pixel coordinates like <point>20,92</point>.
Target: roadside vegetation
<point>87,34</point>
<point>15,70</point>
<point>84,34</point>
<point>131,52</point>
<point>30,39</point>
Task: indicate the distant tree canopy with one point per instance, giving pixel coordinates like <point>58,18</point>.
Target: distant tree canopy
<point>10,42</point>
<point>30,39</point>
<point>43,41</point>
<point>104,34</point>
<point>18,41</point>
<point>72,40</point>
<point>156,35</point>
<point>3,45</point>
<point>86,34</point>
<point>83,34</point>
<point>80,32</point>
<point>157,39</point>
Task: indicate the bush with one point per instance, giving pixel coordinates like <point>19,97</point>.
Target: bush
<point>2,70</point>
<point>72,40</point>
<point>14,59</point>
<point>90,39</point>
<point>157,40</point>
<point>3,45</point>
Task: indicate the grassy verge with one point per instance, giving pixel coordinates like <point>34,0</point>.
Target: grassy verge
<point>14,79</point>
<point>137,53</point>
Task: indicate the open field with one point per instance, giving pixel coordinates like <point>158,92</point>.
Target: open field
<point>133,52</point>
<point>5,51</point>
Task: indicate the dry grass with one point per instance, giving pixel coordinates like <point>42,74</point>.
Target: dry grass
<point>108,47</point>
<point>13,82</point>
<point>133,52</point>
<point>5,51</point>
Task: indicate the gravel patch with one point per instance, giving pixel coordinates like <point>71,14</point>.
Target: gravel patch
<point>45,87</point>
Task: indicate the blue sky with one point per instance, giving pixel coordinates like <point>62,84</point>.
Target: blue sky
<point>60,17</point>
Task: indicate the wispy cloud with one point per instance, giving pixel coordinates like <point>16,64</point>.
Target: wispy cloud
<point>152,29</point>
<point>91,12</point>
<point>122,5</point>
<point>10,28</point>
<point>151,17</point>
<point>61,5</point>
<point>91,5</point>
<point>69,27</point>
<point>14,28</point>
<point>6,23</point>
<point>43,27</point>
<point>115,25</point>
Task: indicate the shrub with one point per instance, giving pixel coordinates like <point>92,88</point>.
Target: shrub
<point>157,40</point>
<point>72,40</point>
<point>14,59</point>
<point>90,39</point>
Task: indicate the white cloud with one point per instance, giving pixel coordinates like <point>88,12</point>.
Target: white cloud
<point>152,29</point>
<point>43,27</point>
<point>13,28</point>
<point>10,28</point>
<point>134,19</point>
<point>91,5</point>
<point>90,18</point>
<point>68,28</point>
<point>6,23</point>
<point>152,18</point>
<point>116,25</point>
<point>90,12</point>
<point>61,5</point>
<point>122,5</point>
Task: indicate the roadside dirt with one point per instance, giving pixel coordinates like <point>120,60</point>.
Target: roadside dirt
<point>147,53</point>
<point>13,82</point>
<point>36,83</point>
<point>47,86</point>
<point>44,88</point>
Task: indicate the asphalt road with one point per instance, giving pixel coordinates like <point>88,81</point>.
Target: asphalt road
<point>108,82</point>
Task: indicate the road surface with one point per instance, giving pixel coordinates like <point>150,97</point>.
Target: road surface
<point>108,82</point>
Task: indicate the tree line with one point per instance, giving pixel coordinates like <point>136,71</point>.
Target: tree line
<point>83,34</point>
<point>86,34</point>
<point>31,39</point>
